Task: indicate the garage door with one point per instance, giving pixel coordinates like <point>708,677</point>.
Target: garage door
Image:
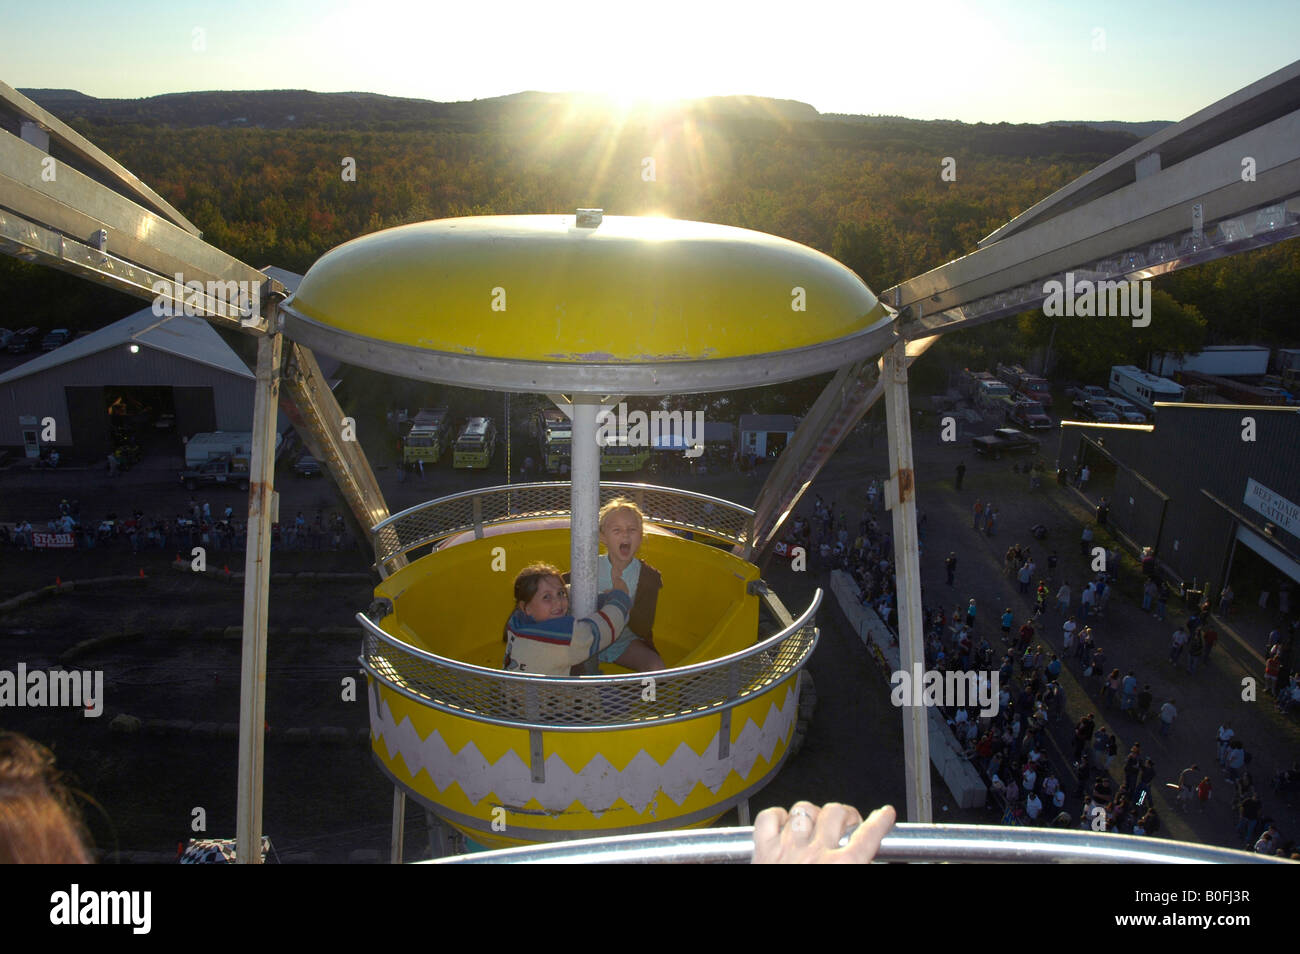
<point>1269,552</point>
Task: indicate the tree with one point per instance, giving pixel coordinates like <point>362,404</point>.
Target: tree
<point>1087,348</point>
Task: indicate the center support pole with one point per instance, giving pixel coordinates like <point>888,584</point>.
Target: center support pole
<point>901,500</point>
<point>257,584</point>
<point>584,507</point>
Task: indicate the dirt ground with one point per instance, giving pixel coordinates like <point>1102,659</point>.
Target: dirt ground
<point>331,799</point>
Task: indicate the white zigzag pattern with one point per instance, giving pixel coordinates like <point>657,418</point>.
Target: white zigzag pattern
<point>598,785</point>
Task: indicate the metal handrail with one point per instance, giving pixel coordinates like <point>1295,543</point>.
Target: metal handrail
<point>905,843</point>
<point>389,542</point>
<point>561,691</point>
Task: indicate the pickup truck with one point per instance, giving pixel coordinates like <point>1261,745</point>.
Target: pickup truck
<point>1088,392</point>
<point>1029,414</point>
<point>1004,440</point>
<point>219,470</point>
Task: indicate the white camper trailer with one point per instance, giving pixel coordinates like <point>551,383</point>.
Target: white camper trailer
<point>1143,388</point>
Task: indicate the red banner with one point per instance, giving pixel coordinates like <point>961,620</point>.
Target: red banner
<point>54,540</point>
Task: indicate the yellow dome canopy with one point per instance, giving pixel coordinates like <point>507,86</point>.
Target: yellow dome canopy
<point>587,303</point>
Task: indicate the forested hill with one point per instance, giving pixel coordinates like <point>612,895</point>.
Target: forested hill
<point>743,115</point>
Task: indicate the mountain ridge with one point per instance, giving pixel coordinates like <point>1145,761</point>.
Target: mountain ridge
<point>300,107</point>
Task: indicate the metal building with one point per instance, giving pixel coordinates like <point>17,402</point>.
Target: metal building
<point>765,435</point>
<point>1206,483</point>
<point>178,365</point>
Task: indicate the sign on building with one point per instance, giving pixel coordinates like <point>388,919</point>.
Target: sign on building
<point>1274,506</point>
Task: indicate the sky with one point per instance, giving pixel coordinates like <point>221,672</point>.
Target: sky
<point>980,61</point>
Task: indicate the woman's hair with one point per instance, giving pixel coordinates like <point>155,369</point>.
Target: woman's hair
<point>618,503</point>
<point>526,584</point>
<point>39,822</point>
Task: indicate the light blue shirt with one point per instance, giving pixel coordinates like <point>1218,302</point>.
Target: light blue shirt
<point>605,575</point>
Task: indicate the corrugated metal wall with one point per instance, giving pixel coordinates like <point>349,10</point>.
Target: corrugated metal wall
<point>1195,449</point>
<point>42,394</point>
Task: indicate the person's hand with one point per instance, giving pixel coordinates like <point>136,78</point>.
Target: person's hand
<point>811,835</point>
<point>618,577</point>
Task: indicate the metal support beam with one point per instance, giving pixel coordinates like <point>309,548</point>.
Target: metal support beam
<point>34,243</point>
<point>1178,198</point>
<point>75,206</point>
<point>584,503</point>
<point>844,402</point>
<point>399,826</point>
<point>257,582</point>
<point>310,404</point>
<point>72,147</point>
<point>901,499</point>
<point>833,416</point>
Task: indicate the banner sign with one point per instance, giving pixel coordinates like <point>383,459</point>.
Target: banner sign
<point>54,540</point>
<point>1274,506</point>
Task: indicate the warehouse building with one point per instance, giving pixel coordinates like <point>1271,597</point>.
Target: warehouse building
<point>1214,489</point>
<point>141,374</point>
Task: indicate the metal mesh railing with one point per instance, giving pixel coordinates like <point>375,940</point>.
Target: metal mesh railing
<point>588,702</point>
<point>431,522</point>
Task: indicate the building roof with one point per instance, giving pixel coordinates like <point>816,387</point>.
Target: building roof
<point>768,422</point>
<point>190,338</point>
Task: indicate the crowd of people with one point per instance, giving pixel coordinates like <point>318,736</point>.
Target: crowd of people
<point>197,526</point>
<point>1010,748</point>
<point>867,556</point>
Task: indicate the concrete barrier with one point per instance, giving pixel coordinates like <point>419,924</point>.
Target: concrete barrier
<point>946,754</point>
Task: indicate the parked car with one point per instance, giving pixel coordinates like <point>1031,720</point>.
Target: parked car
<point>1127,412</point>
<point>21,342</point>
<point>5,335</point>
<point>1004,440</point>
<point>307,466</point>
<point>1099,411</point>
<point>56,339</point>
<point>1029,414</point>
